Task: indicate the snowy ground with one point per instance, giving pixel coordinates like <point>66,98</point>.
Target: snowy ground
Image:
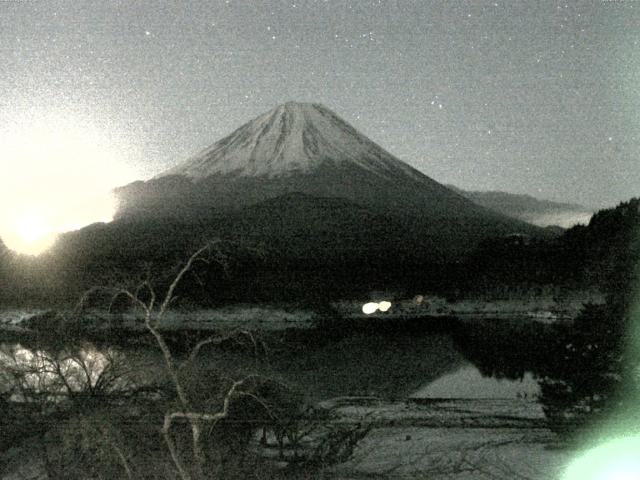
<point>240,317</point>
<point>21,464</point>
<point>454,439</point>
<point>450,439</point>
<point>13,321</point>
<point>455,453</point>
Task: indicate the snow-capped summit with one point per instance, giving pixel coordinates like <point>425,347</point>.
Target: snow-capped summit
<point>292,138</point>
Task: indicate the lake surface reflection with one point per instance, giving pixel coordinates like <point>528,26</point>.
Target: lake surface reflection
<point>430,366</point>
<point>468,383</point>
<point>46,373</point>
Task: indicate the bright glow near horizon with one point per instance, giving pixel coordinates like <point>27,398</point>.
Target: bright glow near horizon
<point>384,306</point>
<point>57,176</point>
<point>369,308</point>
<point>373,307</point>
<point>615,460</point>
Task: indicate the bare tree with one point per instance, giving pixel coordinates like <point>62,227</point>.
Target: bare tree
<point>47,376</point>
<point>154,309</point>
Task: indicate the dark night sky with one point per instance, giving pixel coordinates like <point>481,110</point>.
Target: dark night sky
<point>535,97</point>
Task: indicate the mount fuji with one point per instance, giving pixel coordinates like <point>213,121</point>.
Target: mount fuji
<point>294,138</point>
<point>328,210</point>
<point>303,148</point>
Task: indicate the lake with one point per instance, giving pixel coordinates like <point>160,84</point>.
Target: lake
<point>434,411</point>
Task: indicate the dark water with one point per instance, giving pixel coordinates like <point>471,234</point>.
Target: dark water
<point>469,383</point>
<point>389,367</point>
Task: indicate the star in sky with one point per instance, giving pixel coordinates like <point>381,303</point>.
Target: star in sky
<point>534,71</point>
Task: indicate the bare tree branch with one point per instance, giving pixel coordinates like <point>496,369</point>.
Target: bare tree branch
<point>182,273</point>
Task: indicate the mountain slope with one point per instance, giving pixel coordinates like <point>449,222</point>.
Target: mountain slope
<point>328,212</point>
<point>292,138</point>
<point>298,246</point>
<point>542,213</point>
<point>308,149</point>
<point>293,148</point>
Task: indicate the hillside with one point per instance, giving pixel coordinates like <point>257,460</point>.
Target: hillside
<point>308,149</point>
<point>543,213</point>
<point>603,254</point>
<point>309,206</point>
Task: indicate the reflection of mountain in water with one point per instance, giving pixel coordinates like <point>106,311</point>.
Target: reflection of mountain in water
<point>393,366</point>
<point>391,361</point>
<point>468,383</point>
<point>389,367</point>
<point>508,349</point>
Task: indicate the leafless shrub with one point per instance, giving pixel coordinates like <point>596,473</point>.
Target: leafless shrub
<point>187,410</point>
<point>202,424</point>
<point>51,377</point>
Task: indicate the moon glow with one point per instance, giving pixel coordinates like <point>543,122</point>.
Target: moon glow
<point>57,176</point>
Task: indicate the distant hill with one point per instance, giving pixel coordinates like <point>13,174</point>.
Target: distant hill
<point>602,254</point>
<point>543,213</point>
<point>4,264</point>
<point>608,249</point>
